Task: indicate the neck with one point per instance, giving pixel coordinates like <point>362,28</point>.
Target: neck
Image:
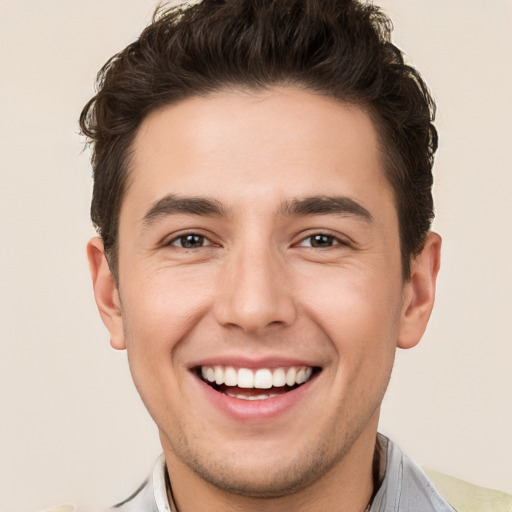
<point>346,487</point>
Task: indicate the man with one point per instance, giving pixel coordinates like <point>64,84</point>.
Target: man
<point>263,199</point>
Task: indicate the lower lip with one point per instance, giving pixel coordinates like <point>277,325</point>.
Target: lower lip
<point>257,411</point>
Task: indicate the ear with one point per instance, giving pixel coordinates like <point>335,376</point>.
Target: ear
<point>106,293</point>
<point>420,292</point>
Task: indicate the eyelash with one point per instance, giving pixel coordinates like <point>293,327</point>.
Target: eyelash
<point>331,240</point>
<point>181,238</point>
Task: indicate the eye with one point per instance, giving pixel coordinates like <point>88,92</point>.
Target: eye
<point>190,241</point>
<point>320,240</point>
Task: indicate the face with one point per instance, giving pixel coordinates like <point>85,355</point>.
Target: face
<point>260,294</point>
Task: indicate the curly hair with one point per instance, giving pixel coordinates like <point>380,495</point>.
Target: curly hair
<point>338,48</point>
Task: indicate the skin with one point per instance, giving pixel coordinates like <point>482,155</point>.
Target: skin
<point>257,287</point>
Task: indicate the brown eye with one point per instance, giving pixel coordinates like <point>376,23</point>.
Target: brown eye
<point>319,240</point>
<point>190,241</point>
<point>322,241</point>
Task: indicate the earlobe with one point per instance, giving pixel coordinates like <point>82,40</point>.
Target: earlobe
<point>106,293</point>
<point>419,292</point>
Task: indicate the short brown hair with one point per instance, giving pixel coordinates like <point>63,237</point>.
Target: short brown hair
<point>338,48</point>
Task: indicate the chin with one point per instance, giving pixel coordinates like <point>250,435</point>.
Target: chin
<point>264,472</point>
<point>261,481</point>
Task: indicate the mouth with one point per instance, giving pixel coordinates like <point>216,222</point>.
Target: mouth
<point>255,383</point>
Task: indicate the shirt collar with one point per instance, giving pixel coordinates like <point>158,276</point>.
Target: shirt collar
<point>160,486</point>
<point>400,482</point>
<point>163,492</point>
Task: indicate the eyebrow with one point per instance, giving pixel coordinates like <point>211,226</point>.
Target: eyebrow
<point>326,205</point>
<point>202,206</point>
<point>173,204</point>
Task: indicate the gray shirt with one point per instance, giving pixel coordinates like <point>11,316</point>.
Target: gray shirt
<point>404,487</point>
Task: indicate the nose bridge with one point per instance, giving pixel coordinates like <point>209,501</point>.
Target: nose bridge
<point>255,294</point>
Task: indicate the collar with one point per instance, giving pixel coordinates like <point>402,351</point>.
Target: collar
<point>402,484</point>
<point>160,487</point>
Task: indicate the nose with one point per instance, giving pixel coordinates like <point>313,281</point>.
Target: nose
<point>255,292</point>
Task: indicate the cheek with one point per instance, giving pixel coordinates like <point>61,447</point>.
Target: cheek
<point>159,313</point>
<point>161,309</point>
<point>358,312</point>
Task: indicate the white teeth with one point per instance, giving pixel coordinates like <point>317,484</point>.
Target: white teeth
<point>290,376</point>
<point>219,375</point>
<point>230,376</point>
<point>245,378</point>
<point>278,378</point>
<point>257,397</point>
<point>303,375</point>
<point>263,378</point>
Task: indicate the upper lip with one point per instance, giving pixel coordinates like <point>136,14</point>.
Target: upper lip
<point>250,362</point>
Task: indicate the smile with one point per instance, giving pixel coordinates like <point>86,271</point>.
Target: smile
<point>246,383</point>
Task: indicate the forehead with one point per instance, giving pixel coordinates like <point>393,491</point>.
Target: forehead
<point>243,146</point>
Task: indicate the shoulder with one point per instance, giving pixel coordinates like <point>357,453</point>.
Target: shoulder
<point>142,499</point>
<point>420,489</point>
<point>466,497</point>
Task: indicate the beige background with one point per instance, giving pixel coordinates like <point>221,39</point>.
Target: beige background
<point>72,428</point>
